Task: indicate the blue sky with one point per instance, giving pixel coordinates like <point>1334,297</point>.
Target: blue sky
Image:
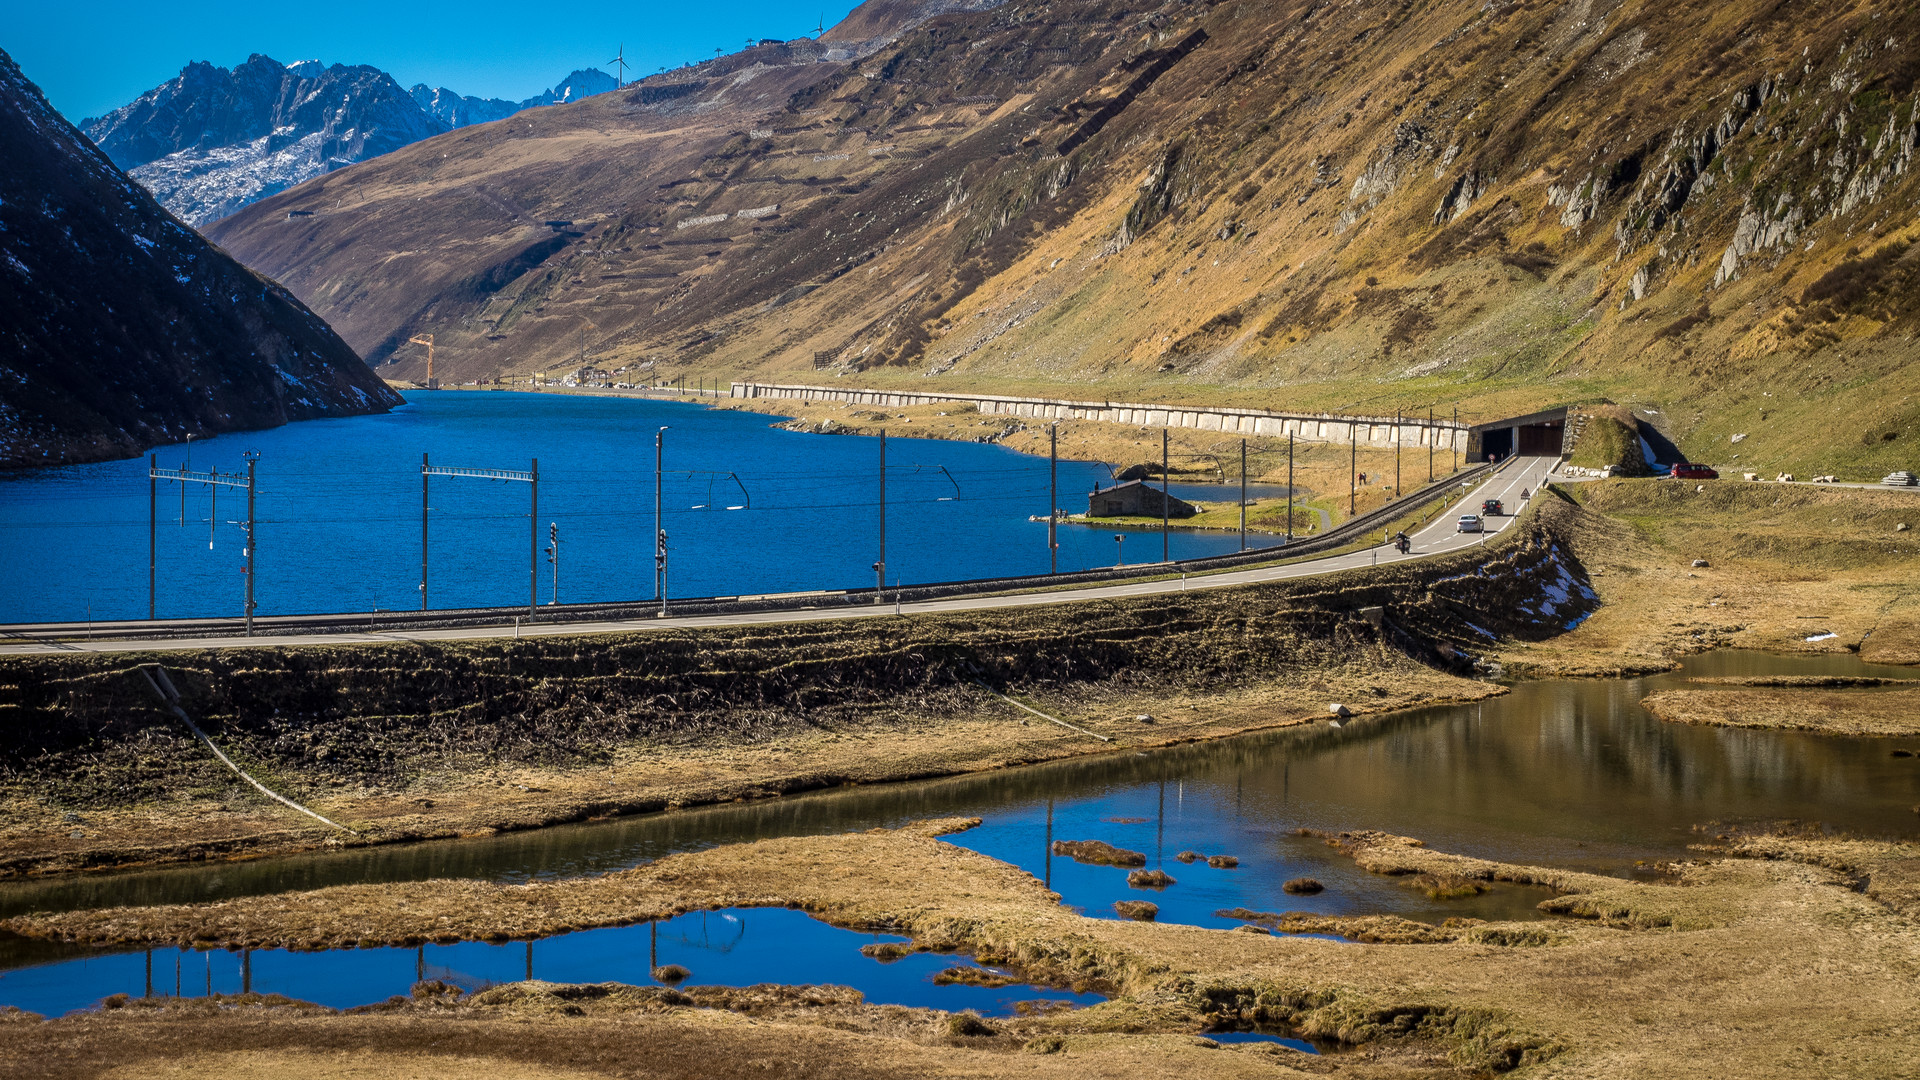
<point>90,56</point>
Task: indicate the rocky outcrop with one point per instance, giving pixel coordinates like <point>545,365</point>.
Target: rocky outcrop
<point>123,328</point>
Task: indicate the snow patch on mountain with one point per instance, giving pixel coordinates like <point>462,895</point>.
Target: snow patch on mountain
<point>205,186</point>
<point>213,140</point>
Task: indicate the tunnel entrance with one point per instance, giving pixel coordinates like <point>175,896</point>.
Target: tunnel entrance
<point>1497,444</point>
<point>1542,440</point>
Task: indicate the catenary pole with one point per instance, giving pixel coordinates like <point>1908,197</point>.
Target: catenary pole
<point>659,455</point>
<point>1353,467</point>
<point>533,545</point>
<point>423,531</point>
<point>1053,496</point>
<point>1166,535</point>
<point>153,513</point>
<point>1243,494</point>
<point>1289,489</point>
<point>1396,453</point>
<point>253,544</point>
<point>880,568</point>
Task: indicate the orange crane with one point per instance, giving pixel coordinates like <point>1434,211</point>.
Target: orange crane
<point>427,340</point>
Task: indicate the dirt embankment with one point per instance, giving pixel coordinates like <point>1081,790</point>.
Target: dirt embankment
<point>416,741</point>
<point>1727,968</point>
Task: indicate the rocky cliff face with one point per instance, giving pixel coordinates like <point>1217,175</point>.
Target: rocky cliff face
<point>1702,209</point>
<point>213,140</point>
<point>454,110</point>
<point>122,327</point>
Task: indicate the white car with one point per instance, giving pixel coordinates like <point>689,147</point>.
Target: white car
<point>1471,523</point>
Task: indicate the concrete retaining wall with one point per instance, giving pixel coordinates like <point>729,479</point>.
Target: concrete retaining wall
<point>1306,427</point>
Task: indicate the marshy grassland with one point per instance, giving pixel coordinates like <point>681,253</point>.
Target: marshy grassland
<point>1769,959</point>
<point>1835,712</point>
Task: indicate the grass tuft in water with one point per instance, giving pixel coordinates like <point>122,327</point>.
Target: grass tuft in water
<point>1098,853</point>
<point>1149,879</point>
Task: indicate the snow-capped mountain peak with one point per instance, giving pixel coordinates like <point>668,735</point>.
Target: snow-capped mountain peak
<point>212,140</point>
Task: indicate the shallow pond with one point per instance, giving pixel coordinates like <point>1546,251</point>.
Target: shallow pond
<point>1568,773</point>
<point>732,947</point>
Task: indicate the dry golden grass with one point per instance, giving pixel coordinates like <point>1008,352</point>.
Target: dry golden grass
<point>1786,564</point>
<point>1885,713</point>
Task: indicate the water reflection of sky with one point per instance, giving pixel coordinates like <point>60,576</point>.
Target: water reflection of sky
<point>734,947</point>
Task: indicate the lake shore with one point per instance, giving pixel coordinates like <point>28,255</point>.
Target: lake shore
<point>421,741</point>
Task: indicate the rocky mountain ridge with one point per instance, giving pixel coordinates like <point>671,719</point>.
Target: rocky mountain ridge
<point>123,328</point>
<point>1702,211</point>
<point>212,139</point>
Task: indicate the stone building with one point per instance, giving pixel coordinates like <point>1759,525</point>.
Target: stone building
<point>1135,498</point>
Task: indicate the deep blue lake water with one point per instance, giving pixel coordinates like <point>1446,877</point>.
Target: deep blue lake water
<point>339,513</point>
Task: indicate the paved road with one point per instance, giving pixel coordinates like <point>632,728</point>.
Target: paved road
<point>1438,538</point>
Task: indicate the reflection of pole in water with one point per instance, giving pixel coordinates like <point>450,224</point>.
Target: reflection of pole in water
<point>176,973</point>
<point>246,971</point>
<point>529,960</point>
<point>149,973</point>
<point>653,947</point>
<point>1160,828</point>
<point>209,974</point>
<point>420,963</point>
<point>1049,851</point>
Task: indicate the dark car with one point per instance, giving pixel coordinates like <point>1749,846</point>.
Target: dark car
<point>1493,508</point>
<point>1684,471</point>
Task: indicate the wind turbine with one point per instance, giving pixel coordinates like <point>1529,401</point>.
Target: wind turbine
<point>621,60</point>
<point>822,28</point>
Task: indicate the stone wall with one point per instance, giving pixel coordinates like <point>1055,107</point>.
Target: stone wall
<point>1377,431</point>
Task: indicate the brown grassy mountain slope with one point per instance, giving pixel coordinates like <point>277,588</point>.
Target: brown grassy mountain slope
<point>1702,208</point>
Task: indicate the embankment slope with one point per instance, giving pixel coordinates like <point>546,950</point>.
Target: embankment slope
<point>408,741</point>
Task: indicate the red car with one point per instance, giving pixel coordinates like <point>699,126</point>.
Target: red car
<point>1694,472</point>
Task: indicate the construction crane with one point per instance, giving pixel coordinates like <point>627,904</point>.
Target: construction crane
<point>427,340</point>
